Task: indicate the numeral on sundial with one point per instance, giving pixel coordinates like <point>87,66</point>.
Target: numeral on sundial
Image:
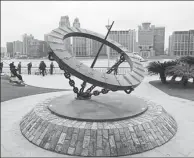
<point>67,58</point>
<point>78,66</point>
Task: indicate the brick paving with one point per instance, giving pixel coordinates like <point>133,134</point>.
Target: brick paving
<point>147,131</point>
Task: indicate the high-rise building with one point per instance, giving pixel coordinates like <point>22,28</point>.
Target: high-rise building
<point>159,38</point>
<point>64,21</point>
<point>146,40</point>
<point>33,50</point>
<point>9,46</point>
<point>79,43</point>
<point>127,38</point>
<point>95,46</point>
<point>17,47</point>
<point>26,40</point>
<point>151,40</point>
<point>43,48</point>
<point>181,43</point>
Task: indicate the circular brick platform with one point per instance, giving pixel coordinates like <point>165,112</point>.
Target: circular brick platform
<point>117,138</point>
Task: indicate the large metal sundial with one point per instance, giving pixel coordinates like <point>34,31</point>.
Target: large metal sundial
<point>97,122</point>
<point>107,81</point>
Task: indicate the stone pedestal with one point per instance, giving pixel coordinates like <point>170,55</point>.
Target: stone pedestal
<point>97,127</point>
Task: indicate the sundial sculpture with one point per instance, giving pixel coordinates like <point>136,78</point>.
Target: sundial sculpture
<point>108,125</point>
<point>107,81</point>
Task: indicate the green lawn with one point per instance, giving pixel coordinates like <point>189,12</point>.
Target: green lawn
<point>176,89</point>
<point>8,91</point>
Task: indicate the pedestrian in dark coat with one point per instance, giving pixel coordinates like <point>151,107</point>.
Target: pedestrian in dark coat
<point>1,67</point>
<point>29,68</point>
<point>42,68</point>
<point>51,68</point>
<point>19,67</point>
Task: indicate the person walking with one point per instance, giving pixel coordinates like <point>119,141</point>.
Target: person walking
<point>29,68</point>
<point>19,67</point>
<point>42,68</point>
<point>1,67</point>
<point>51,68</point>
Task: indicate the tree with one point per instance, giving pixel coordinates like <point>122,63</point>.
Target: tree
<point>159,68</point>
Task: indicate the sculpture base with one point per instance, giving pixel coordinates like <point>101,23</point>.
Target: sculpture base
<point>137,134</point>
<point>109,107</point>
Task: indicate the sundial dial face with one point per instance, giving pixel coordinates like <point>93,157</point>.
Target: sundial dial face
<point>109,81</point>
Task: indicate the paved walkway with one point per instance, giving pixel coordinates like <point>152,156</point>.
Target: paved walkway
<point>14,144</point>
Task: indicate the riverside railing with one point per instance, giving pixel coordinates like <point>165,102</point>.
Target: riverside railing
<point>57,70</point>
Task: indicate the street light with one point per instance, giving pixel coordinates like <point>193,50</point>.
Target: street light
<point>189,43</point>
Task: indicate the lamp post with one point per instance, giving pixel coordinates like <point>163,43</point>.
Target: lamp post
<point>189,44</point>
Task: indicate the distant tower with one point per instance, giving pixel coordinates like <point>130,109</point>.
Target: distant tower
<point>64,21</point>
<point>76,23</point>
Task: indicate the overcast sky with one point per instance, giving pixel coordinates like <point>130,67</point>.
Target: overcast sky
<point>40,17</point>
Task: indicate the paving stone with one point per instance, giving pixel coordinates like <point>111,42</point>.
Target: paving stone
<point>88,125</point>
<point>75,130</point>
<point>99,142</point>
<point>55,138</point>
<point>106,147</point>
<point>74,140</point>
<point>93,134</point>
<point>71,151</point>
<point>99,125</point>
<point>99,152</point>
<point>113,151</point>
<point>84,152</point>
<point>105,133</point>
<point>127,133</point>
<point>62,138</point>
<point>78,149</point>
<point>87,132</point>
<point>92,147</point>
<point>81,135</point>
<point>69,133</point>
<point>86,141</point>
<point>117,135</point>
<point>65,146</point>
<point>99,132</point>
<point>111,131</point>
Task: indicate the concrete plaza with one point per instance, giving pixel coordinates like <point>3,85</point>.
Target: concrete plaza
<point>12,111</point>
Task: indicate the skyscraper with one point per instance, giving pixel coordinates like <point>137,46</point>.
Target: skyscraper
<point>159,38</point>
<point>181,43</point>
<point>127,38</point>
<point>26,40</point>
<point>79,43</point>
<point>64,21</point>
<point>17,47</point>
<point>9,46</point>
<point>146,39</point>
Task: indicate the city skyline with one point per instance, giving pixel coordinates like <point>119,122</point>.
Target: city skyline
<point>93,16</point>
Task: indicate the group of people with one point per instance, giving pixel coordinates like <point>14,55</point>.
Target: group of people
<point>42,68</point>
